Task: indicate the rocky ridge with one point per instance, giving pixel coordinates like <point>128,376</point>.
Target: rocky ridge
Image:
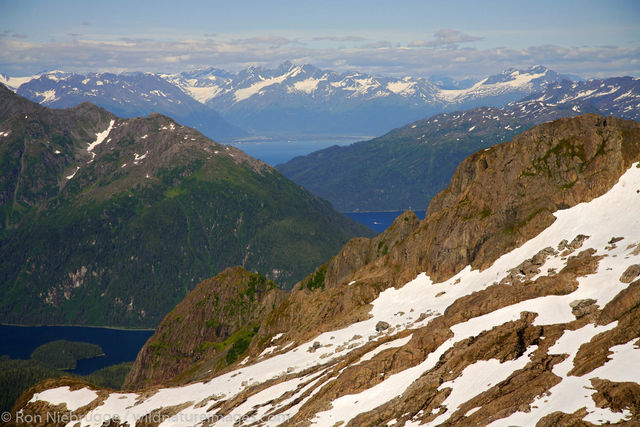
<point>515,302</point>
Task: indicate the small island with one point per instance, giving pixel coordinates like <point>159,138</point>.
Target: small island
<point>64,355</point>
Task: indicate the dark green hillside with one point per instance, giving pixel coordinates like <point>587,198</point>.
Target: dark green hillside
<point>407,167</point>
<point>119,237</point>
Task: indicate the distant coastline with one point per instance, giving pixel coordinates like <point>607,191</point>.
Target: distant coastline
<point>115,328</point>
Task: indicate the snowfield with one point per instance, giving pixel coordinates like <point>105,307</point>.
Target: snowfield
<point>616,213</point>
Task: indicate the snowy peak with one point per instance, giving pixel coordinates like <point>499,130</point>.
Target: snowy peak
<point>511,84</point>
<point>520,77</point>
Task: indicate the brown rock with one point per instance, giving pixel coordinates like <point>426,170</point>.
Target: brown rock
<point>382,326</point>
<point>193,333</point>
<point>617,396</point>
<point>630,273</point>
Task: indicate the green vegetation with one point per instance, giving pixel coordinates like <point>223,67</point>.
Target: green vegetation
<point>109,235</point>
<point>16,376</point>
<point>316,281</point>
<point>404,168</point>
<point>111,376</point>
<point>240,345</point>
<point>64,355</point>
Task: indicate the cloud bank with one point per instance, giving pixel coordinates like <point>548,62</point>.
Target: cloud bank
<point>449,52</point>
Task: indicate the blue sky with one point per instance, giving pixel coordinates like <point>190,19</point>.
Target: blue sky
<point>422,38</point>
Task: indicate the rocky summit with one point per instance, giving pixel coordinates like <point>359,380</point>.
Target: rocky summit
<point>516,301</point>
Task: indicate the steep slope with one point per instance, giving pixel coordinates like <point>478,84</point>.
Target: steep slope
<point>126,95</point>
<point>208,330</point>
<point>110,221</point>
<point>406,167</point>
<point>544,332</point>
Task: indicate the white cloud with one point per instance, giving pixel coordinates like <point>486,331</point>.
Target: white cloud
<point>22,57</point>
<point>446,38</point>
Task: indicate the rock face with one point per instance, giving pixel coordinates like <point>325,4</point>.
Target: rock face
<point>207,331</point>
<point>505,306</point>
<point>111,221</point>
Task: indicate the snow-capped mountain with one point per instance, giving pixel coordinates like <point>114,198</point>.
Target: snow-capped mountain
<point>409,165</point>
<point>619,96</point>
<point>511,85</point>
<point>290,99</point>
<point>290,81</point>
<point>126,95</point>
<point>516,301</point>
<point>289,96</point>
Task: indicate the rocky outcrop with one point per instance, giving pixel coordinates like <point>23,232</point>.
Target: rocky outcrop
<point>498,199</point>
<point>207,331</point>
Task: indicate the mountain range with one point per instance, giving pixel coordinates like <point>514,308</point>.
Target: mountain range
<point>516,301</point>
<point>126,95</point>
<point>288,100</point>
<point>406,167</point>
<point>111,221</point>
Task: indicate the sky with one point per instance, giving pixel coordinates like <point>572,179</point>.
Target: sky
<point>457,39</point>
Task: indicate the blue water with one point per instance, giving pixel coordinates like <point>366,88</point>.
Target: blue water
<point>379,221</point>
<point>119,345</point>
<point>277,150</point>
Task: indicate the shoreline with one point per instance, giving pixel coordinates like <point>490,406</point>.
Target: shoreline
<point>115,328</point>
<point>389,211</point>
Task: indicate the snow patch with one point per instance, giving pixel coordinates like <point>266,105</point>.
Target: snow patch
<point>73,399</point>
<point>307,85</point>
<point>391,344</point>
<point>402,87</point>
<point>48,96</point>
<point>100,137</point>
<point>73,174</point>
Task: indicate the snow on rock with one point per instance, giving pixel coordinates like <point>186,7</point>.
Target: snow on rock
<point>48,96</point>
<point>412,306</point>
<point>100,137</point>
<point>138,157</point>
<point>73,399</point>
<point>573,393</point>
<point>14,83</point>
<point>203,94</point>
<point>74,173</point>
<point>307,85</point>
<point>476,379</point>
<point>391,344</point>
<point>402,87</point>
<point>247,92</point>
<point>518,81</point>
